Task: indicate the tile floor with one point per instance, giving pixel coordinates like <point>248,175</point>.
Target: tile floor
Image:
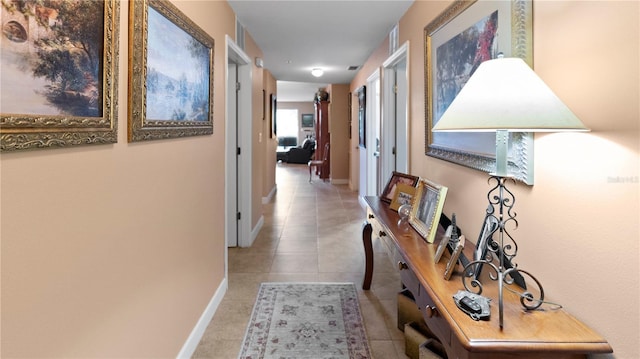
<point>312,232</point>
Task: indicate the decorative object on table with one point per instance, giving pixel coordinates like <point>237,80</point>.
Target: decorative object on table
<point>450,237</point>
<point>426,208</point>
<point>474,305</point>
<point>444,243</point>
<point>57,96</point>
<point>456,42</point>
<point>489,226</point>
<point>445,222</point>
<point>455,256</point>
<point>505,95</point>
<point>306,320</point>
<point>362,121</point>
<point>397,178</point>
<point>403,194</point>
<point>488,249</point>
<point>171,73</point>
<point>404,211</point>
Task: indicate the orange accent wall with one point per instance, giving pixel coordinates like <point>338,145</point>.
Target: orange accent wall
<point>115,250</point>
<point>579,224</point>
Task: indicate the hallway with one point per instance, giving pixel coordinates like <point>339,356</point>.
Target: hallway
<point>311,233</point>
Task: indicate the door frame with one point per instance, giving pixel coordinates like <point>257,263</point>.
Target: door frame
<point>395,130</point>
<point>242,132</point>
<point>373,159</point>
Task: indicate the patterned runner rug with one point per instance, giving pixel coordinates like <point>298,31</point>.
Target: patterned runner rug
<point>306,320</point>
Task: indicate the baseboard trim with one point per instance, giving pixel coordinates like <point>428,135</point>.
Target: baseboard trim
<point>269,197</point>
<point>339,181</point>
<point>194,338</point>
<point>256,230</point>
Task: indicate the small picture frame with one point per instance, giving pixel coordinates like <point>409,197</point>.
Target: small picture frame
<point>455,255</point>
<point>426,208</point>
<point>403,195</point>
<point>397,178</point>
<point>443,244</point>
<point>489,227</point>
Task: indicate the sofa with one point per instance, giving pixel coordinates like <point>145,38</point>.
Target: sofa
<point>301,154</point>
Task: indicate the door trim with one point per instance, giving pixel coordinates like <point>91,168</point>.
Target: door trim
<point>400,126</point>
<point>234,54</point>
<point>373,162</point>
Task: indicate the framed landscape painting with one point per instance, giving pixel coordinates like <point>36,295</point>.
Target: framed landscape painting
<point>59,64</point>
<point>456,42</point>
<point>171,73</point>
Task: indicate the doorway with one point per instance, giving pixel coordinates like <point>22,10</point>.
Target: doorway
<point>395,122</point>
<point>373,136</point>
<point>238,147</point>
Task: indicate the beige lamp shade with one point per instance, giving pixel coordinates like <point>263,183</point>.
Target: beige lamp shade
<point>505,94</point>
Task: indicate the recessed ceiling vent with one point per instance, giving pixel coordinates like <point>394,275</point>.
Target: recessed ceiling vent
<point>353,68</point>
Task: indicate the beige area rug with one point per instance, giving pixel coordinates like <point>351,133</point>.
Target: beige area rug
<point>306,320</point>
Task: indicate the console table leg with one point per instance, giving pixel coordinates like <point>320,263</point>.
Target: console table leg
<point>368,255</point>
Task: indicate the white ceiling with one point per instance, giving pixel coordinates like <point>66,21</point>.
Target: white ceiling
<point>298,35</point>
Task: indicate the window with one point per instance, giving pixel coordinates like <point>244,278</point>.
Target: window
<point>287,123</point>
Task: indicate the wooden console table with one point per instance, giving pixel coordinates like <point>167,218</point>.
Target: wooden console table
<point>545,333</point>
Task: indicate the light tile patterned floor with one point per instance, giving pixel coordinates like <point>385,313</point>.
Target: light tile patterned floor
<point>312,232</point>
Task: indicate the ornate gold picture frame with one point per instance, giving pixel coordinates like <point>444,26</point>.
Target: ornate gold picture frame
<point>59,85</point>
<point>170,73</point>
<point>465,34</point>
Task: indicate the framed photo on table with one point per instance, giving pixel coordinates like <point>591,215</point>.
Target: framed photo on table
<point>171,73</point>
<point>397,178</point>
<point>403,195</point>
<point>426,208</point>
<point>456,42</point>
<point>455,256</point>
<point>59,83</point>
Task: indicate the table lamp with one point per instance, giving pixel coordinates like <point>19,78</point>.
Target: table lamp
<point>505,95</point>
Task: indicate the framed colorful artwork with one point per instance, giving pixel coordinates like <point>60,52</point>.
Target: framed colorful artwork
<point>456,42</point>
<point>59,74</point>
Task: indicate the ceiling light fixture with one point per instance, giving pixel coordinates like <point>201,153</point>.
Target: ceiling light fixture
<point>317,72</point>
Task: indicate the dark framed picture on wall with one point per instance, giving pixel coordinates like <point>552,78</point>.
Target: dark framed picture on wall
<point>272,118</point>
<point>362,121</point>
<point>306,120</point>
<point>464,35</point>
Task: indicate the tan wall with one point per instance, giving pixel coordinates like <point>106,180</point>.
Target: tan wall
<point>115,250</point>
<point>368,68</point>
<point>578,228</point>
<point>339,132</point>
<point>259,144</point>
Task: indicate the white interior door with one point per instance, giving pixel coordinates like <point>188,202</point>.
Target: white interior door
<point>373,135</point>
<point>238,147</point>
<point>395,123</point>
